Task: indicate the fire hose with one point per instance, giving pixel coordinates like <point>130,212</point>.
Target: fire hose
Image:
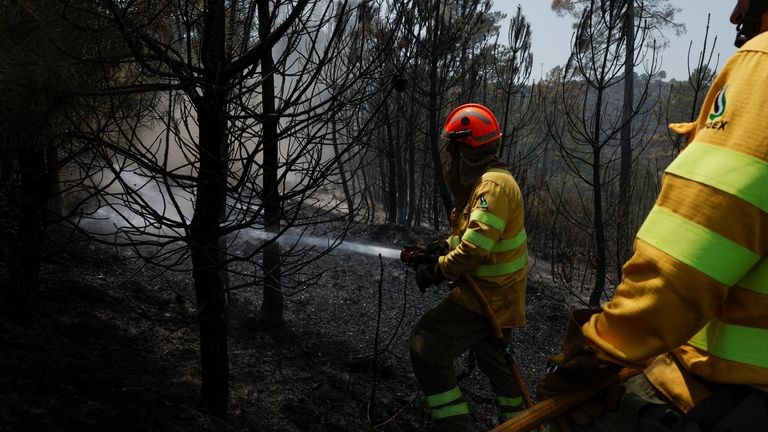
<point>505,348</point>
<point>549,409</point>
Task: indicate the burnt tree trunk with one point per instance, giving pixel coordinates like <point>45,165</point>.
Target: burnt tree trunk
<point>411,143</point>
<point>433,134</point>
<point>24,271</point>
<point>368,193</point>
<point>342,175</point>
<point>597,202</point>
<point>402,193</point>
<point>381,181</point>
<point>391,171</point>
<point>210,288</point>
<point>625,175</point>
<point>272,306</point>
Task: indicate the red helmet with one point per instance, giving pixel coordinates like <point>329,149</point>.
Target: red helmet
<point>471,124</point>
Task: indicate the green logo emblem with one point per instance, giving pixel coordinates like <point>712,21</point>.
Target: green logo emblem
<point>483,201</point>
<point>719,106</point>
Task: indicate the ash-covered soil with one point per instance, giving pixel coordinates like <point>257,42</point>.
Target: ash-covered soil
<point>113,346</point>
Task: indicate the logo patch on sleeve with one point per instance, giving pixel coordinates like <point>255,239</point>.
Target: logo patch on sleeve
<point>483,201</point>
<point>718,108</point>
<point>717,121</point>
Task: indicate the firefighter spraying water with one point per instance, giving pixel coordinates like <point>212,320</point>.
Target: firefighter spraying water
<point>485,263</point>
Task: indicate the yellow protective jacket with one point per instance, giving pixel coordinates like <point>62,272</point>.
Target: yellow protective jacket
<point>693,301</point>
<point>488,241</point>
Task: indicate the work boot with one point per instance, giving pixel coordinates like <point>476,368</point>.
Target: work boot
<point>460,423</point>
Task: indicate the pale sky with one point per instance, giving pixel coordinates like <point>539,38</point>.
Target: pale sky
<point>551,35</point>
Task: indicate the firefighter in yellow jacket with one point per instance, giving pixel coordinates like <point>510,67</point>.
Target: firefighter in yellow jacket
<point>488,241</point>
<point>692,307</point>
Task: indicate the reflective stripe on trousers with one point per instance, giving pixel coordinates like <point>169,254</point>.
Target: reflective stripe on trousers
<point>447,404</point>
<point>510,407</point>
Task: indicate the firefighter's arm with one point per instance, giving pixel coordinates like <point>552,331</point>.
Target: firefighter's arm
<point>487,221</point>
<point>707,230</point>
<point>695,244</point>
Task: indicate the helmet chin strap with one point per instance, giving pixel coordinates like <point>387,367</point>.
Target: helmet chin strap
<point>750,23</point>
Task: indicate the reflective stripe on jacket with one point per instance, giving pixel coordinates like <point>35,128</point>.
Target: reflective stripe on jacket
<point>488,240</point>
<point>697,284</point>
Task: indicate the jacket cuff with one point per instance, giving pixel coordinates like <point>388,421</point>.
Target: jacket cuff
<point>441,266</point>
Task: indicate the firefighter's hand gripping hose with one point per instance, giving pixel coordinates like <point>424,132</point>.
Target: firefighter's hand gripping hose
<point>578,388</point>
<point>424,260</point>
<point>577,369</point>
<point>499,335</point>
<point>553,408</point>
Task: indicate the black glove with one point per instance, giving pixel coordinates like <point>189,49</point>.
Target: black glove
<point>437,247</point>
<point>428,274</point>
<point>577,369</point>
<point>427,271</point>
<point>430,253</point>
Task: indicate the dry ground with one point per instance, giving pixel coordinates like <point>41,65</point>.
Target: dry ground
<point>113,347</point>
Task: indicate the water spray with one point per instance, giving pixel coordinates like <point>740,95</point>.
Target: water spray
<point>117,215</point>
<point>293,239</point>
